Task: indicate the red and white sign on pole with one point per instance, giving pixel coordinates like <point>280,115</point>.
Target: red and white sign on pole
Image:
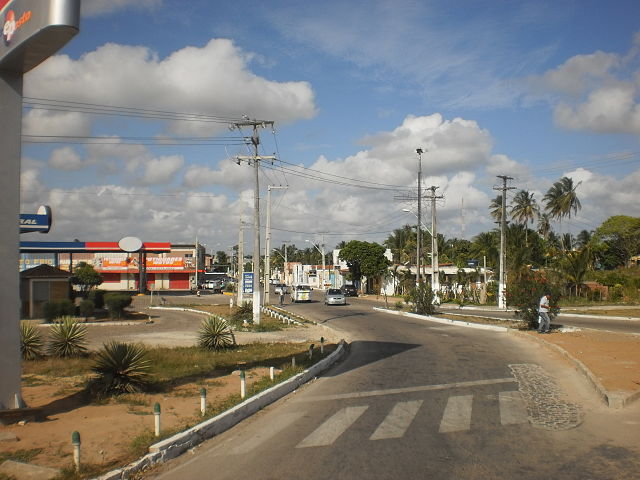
<point>32,31</point>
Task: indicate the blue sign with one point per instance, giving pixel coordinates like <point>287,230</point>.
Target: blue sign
<point>247,282</point>
<point>36,222</point>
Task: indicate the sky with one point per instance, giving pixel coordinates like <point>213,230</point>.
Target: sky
<point>128,130</point>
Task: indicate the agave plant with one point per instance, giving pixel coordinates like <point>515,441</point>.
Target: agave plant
<point>31,345</point>
<point>215,334</point>
<point>121,368</point>
<point>67,338</point>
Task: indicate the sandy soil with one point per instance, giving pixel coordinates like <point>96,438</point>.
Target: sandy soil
<point>107,430</point>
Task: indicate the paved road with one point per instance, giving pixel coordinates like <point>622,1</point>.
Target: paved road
<point>415,399</point>
<point>580,321</point>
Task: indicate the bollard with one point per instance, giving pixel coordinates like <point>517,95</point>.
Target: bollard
<point>311,351</point>
<point>293,362</point>
<point>231,303</point>
<point>156,414</point>
<point>271,373</point>
<point>203,401</point>
<point>321,345</point>
<point>243,384</point>
<point>75,440</point>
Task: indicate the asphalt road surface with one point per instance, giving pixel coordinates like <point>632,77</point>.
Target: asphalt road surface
<point>619,325</point>
<point>419,400</point>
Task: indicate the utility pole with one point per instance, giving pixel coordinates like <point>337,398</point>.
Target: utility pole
<point>256,158</point>
<point>435,264</point>
<point>240,263</point>
<point>502,283</point>
<point>406,198</point>
<point>267,245</point>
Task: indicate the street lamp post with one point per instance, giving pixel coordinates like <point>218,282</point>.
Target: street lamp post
<point>323,261</point>
<point>420,224</point>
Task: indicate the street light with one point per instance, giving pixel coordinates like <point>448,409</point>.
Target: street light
<point>323,262</point>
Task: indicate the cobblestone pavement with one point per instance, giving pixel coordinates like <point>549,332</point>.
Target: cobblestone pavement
<point>544,399</point>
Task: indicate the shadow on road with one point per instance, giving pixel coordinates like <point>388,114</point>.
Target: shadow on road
<point>362,353</point>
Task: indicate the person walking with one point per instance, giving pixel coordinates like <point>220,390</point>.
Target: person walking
<point>543,311</point>
<point>281,296</point>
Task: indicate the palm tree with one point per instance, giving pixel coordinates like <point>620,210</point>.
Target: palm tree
<point>495,208</point>
<point>524,209</point>
<point>583,238</point>
<point>561,199</point>
<point>544,225</point>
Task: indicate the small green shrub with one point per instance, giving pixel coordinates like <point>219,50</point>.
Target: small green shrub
<point>399,305</point>
<point>97,297</point>
<point>121,368</point>
<point>67,338</point>
<point>31,344</point>
<point>57,309</point>
<point>215,334</point>
<point>86,308</point>
<point>525,291</point>
<point>244,313</point>
<point>116,303</point>
<point>422,299</point>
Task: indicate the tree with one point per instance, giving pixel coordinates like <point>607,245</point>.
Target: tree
<point>617,240</point>
<point>574,267</point>
<point>85,278</point>
<point>561,199</point>
<point>364,259</point>
<point>495,208</point>
<point>544,225</point>
<point>524,209</point>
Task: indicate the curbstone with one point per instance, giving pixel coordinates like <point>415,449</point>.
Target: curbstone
<point>177,444</point>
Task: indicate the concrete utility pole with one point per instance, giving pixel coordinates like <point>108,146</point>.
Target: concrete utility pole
<point>406,198</point>
<point>324,265</point>
<point>502,283</point>
<point>240,262</point>
<point>267,244</point>
<point>256,158</point>
<point>435,265</point>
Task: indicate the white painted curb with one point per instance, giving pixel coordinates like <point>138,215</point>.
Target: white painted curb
<point>444,321</point>
<point>173,446</point>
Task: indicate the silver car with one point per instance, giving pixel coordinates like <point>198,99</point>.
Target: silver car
<point>334,296</point>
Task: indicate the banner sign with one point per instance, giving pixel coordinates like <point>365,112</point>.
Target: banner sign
<point>247,282</point>
<point>169,263</point>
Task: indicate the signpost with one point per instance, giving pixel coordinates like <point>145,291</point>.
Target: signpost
<point>247,282</point>
<point>32,31</point>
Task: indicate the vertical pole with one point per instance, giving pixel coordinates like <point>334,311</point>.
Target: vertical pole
<point>256,229</point>
<point>502,282</point>
<point>240,262</point>
<point>324,264</point>
<point>419,238</point>
<point>267,249</point>
<point>10,139</point>
<point>435,263</point>
<point>203,401</point>
<point>75,441</point>
<point>156,415</point>
<point>196,263</point>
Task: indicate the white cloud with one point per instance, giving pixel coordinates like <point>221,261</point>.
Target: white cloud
<point>66,158</point>
<point>162,170</point>
<point>54,123</point>
<point>212,80</point>
<point>93,8</point>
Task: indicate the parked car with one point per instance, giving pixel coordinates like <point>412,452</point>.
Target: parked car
<point>215,285</point>
<point>334,296</point>
<point>300,293</point>
<point>349,291</point>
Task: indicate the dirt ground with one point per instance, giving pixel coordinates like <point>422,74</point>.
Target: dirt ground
<point>107,430</point>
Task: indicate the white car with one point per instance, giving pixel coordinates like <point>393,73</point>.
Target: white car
<point>334,296</point>
<point>300,293</point>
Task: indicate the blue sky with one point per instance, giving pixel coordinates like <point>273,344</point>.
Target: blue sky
<point>535,90</point>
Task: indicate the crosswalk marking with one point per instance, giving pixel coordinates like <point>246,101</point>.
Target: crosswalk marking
<point>457,414</point>
<point>279,424</point>
<point>512,408</point>
<point>397,421</point>
<point>330,430</point>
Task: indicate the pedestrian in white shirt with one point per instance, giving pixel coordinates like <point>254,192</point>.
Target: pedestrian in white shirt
<point>543,311</point>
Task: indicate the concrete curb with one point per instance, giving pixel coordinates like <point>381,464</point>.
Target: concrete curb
<point>173,446</point>
<point>611,399</point>
<point>597,317</point>
<point>444,321</point>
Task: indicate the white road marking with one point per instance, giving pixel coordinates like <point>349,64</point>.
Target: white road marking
<point>395,391</point>
<point>330,430</point>
<point>512,408</point>
<point>457,414</point>
<point>398,420</point>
